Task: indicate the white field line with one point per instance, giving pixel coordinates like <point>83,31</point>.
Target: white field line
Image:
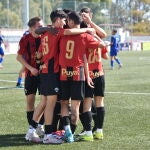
<point>128,93</point>
<point>8,81</point>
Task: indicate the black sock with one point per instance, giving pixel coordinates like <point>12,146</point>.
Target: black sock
<point>34,124</point>
<point>55,122</point>
<point>82,120</point>
<point>94,116</point>
<point>42,120</point>
<point>100,117</point>
<point>60,124</point>
<point>73,128</point>
<point>48,129</point>
<point>65,120</point>
<point>30,116</point>
<point>87,116</point>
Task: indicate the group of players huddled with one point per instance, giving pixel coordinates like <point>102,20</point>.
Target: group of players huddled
<point>63,61</point>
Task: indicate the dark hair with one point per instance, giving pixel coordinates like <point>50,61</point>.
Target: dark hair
<point>86,10</point>
<point>75,17</point>
<point>67,11</point>
<point>114,31</point>
<point>33,21</point>
<point>57,14</point>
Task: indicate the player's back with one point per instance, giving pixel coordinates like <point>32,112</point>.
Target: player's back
<point>72,49</point>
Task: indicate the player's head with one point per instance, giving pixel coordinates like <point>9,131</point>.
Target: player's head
<point>58,18</point>
<point>67,11</point>
<point>73,19</point>
<point>35,23</point>
<point>114,31</point>
<point>86,10</point>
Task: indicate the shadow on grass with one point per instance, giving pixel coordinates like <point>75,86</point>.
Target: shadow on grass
<point>13,140</point>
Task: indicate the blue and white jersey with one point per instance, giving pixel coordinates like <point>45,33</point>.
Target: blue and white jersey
<point>115,39</point>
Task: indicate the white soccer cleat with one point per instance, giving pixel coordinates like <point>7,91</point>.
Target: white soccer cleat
<point>29,134</point>
<point>33,136</point>
<point>51,139</point>
<point>40,130</point>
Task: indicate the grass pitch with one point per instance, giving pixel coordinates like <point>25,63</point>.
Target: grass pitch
<point>127,102</point>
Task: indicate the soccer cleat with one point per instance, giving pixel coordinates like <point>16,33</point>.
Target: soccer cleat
<point>98,135</point>
<point>120,66</point>
<point>18,85</point>
<point>82,133</point>
<point>33,136</point>
<point>40,130</point>
<point>29,134</point>
<point>68,136</point>
<point>88,138</point>
<point>51,139</point>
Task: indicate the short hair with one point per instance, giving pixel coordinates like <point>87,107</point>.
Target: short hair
<point>114,31</point>
<point>57,14</point>
<point>86,10</point>
<point>75,17</point>
<point>33,21</point>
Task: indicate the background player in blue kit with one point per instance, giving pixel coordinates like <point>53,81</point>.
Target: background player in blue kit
<point>115,39</point>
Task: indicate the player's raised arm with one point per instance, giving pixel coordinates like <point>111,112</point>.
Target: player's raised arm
<point>50,29</point>
<point>100,32</point>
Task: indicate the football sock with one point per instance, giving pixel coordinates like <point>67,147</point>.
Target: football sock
<point>87,117</point>
<point>42,120</point>
<point>48,129</point>
<point>100,117</point>
<point>34,124</point>
<point>66,122</point>
<point>19,81</point>
<point>29,117</point>
<point>73,128</point>
<point>117,60</point>
<point>112,63</point>
<point>60,124</point>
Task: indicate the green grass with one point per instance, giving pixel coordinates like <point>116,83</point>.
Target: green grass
<point>127,123</point>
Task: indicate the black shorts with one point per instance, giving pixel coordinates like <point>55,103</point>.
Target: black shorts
<point>32,84</point>
<point>99,87</point>
<point>72,89</point>
<point>49,84</point>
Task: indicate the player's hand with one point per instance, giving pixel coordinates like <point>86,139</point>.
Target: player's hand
<point>34,71</point>
<point>90,82</point>
<point>86,18</point>
<point>91,31</point>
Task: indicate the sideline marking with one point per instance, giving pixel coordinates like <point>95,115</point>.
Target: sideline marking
<point>128,93</point>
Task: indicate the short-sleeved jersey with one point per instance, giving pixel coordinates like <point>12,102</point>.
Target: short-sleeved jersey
<point>50,51</point>
<point>28,46</point>
<point>72,49</point>
<point>94,58</point>
<point>115,42</point>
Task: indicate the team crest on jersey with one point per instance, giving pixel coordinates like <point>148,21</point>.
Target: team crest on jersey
<point>56,89</point>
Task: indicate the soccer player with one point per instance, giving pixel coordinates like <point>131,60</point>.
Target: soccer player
<point>1,50</point>
<point>21,71</point>
<point>114,49</point>
<point>28,47</point>
<point>71,59</point>
<point>94,58</point>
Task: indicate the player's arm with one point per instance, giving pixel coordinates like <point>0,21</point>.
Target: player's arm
<point>50,29</point>
<point>100,32</point>
<point>78,31</point>
<point>86,68</point>
<point>33,70</point>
